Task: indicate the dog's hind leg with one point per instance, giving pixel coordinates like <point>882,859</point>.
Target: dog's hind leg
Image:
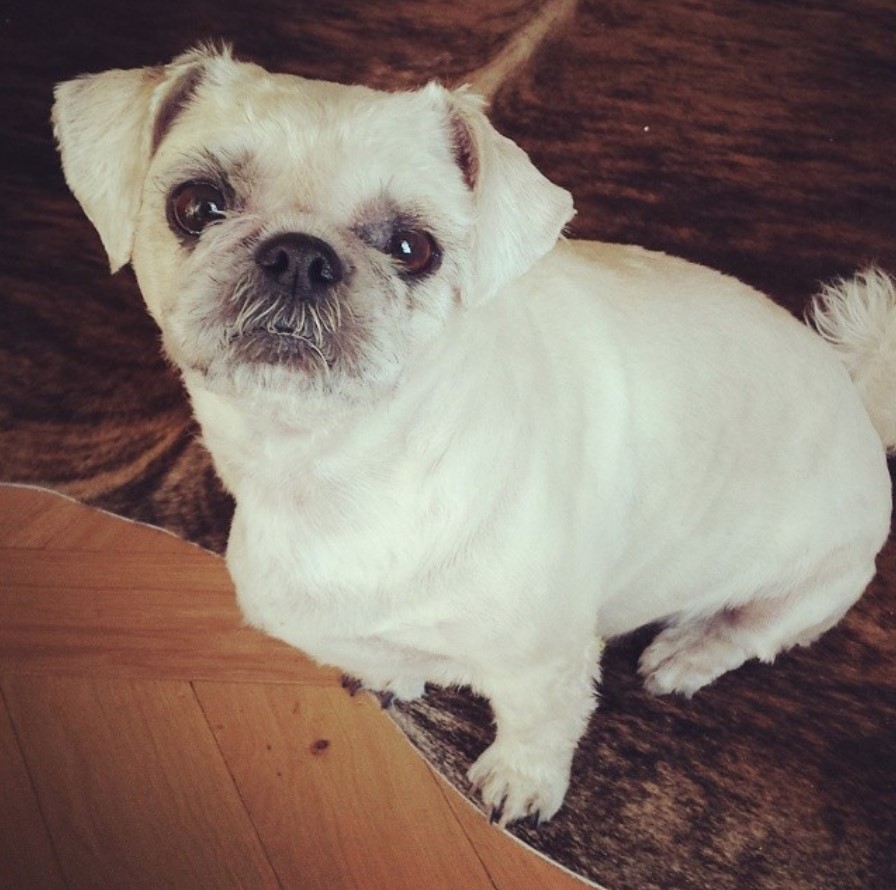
<point>689,654</point>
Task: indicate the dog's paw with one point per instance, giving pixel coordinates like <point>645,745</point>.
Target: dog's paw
<point>516,783</point>
<point>685,658</point>
<point>388,693</point>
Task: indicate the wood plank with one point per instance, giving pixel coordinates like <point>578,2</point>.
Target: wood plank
<point>171,634</point>
<point>192,569</point>
<point>30,517</point>
<point>133,788</point>
<point>338,797</point>
<point>27,859</point>
<point>27,515</point>
<point>36,518</point>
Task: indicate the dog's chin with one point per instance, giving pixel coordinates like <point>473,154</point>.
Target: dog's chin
<point>283,371</point>
<point>284,349</point>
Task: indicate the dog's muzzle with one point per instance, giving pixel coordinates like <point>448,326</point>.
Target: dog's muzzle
<point>288,308</point>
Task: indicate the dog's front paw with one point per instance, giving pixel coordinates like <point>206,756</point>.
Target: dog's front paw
<point>518,783</point>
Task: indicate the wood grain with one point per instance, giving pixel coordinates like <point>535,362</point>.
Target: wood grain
<point>379,820</point>
<point>27,857</point>
<point>32,520</point>
<point>133,787</point>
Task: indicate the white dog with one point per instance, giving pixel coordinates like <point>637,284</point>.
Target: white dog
<point>463,450</point>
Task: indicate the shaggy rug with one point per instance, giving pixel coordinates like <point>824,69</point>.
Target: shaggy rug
<point>754,137</point>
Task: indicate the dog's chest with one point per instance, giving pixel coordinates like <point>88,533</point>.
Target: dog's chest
<point>334,582</point>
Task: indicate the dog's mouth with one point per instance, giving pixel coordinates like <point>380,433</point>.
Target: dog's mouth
<point>305,334</point>
<point>279,348</point>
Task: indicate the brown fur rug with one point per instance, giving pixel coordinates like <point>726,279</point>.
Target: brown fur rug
<point>755,137</point>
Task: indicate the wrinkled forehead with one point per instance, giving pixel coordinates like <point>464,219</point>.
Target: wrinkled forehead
<point>284,139</point>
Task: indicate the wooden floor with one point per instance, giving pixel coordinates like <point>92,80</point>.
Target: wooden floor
<point>148,739</point>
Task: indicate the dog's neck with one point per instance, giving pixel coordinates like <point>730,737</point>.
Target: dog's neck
<point>308,446</point>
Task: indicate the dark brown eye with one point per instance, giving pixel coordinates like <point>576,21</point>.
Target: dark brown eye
<point>194,205</point>
<point>416,251</point>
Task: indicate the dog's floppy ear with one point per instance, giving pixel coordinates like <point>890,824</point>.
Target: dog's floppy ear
<point>520,214</point>
<point>108,127</point>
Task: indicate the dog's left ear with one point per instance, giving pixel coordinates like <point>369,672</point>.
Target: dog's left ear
<point>520,213</point>
<point>108,127</point>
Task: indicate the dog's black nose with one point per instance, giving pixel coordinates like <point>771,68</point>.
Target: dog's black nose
<point>301,265</point>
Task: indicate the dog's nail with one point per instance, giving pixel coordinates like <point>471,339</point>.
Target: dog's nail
<point>386,699</point>
<point>497,813</point>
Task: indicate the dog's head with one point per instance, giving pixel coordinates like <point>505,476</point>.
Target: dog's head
<point>295,234</point>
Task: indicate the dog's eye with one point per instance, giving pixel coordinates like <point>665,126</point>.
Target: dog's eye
<point>416,251</point>
<point>194,205</point>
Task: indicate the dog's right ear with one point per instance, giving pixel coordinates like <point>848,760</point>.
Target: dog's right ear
<point>109,125</point>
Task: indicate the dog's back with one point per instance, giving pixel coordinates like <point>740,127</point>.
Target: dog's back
<point>759,494</point>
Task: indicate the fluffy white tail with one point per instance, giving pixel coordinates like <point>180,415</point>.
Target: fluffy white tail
<point>858,318</point>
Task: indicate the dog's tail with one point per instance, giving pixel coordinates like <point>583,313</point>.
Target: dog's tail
<point>857,316</point>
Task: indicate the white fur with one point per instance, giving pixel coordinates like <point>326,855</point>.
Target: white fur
<point>591,440</point>
<point>856,317</point>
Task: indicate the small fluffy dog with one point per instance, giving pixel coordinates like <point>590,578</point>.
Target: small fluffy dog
<point>464,450</point>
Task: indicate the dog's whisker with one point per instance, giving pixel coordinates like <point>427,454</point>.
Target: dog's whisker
<point>337,314</point>
<point>318,333</point>
<point>316,352</point>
